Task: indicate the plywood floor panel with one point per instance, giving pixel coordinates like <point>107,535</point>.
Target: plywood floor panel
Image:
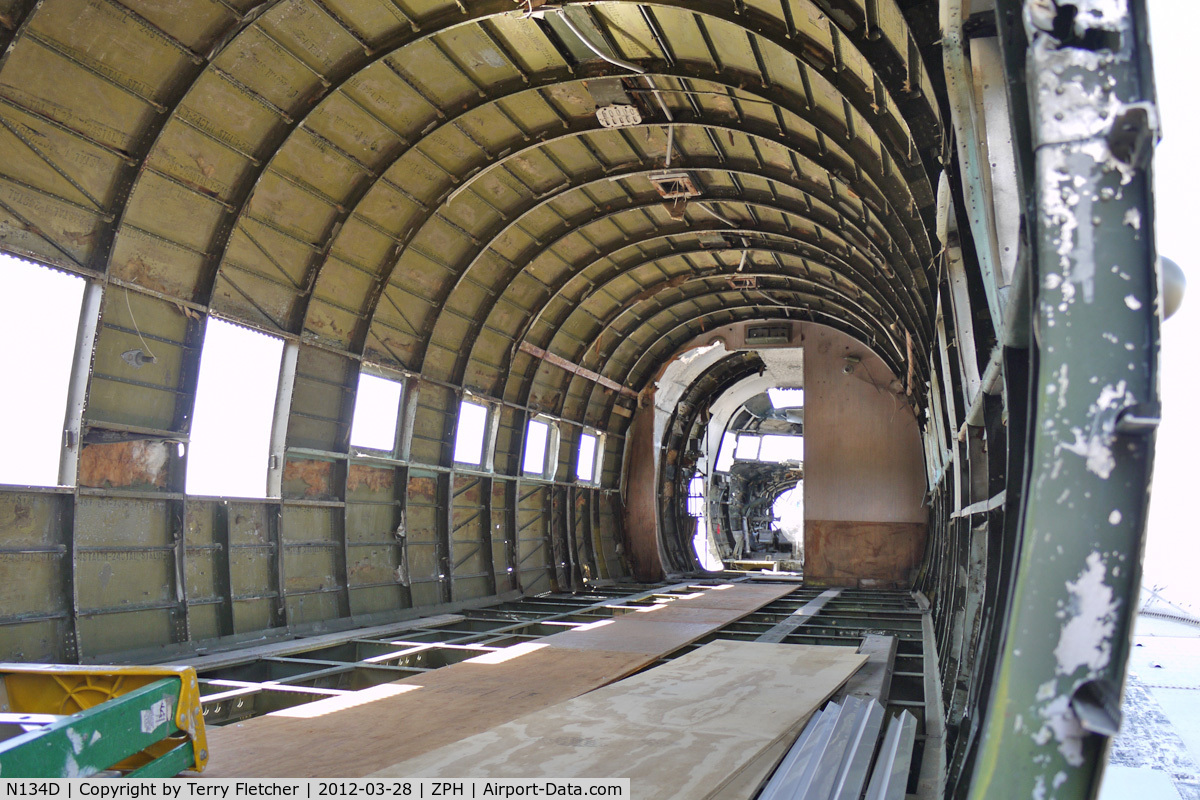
<point>745,784</point>
<point>682,730</point>
<point>356,734</point>
<point>630,634</point>
<point>675,612</point>
<point>734,596</point>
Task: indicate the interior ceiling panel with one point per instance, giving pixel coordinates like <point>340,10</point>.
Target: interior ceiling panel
<point>427,184</point>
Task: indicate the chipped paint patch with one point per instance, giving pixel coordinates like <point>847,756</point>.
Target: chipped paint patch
<point>1091,619</point>
<point>1114,518</point>
<point>1096,449</point>
<point>1063,726</point>
<point>1096,446</point>
<point>1063,383</point>
<point>1133,302</point>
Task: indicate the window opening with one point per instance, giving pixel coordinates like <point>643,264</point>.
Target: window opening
<point>747,447</point>
<point>235,408</point>
<point>39,316</point>
<point>537,441</point>
<point>697,508</point>
<point>726,454</point>
<point>586,464</point>
<point>786,398</point>
<point>695,498</point>
<point>376,413</point>
<point>781,448</point>
<point>472,428</point>
<point>788,510</point>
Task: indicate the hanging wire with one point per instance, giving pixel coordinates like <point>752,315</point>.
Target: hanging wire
<point>149,354</point>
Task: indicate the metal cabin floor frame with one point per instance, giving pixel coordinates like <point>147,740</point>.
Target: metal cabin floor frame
<point>255,681</point>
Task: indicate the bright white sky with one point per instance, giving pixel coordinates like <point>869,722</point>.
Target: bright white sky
<point>585,467</point>
<point>1173,540</point>
<point>468,442</point>
<point>535,447</point>
<point>747,447</point>
<point>786,398</point>
<point>726,453</point>
<point>235,405</point>
<point>376,413</point>
<point>39,319</point>
<point>781,448</point>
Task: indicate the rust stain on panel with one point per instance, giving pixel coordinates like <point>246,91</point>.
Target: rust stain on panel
<point>123,464</point>
<point>467,491</point>
<point>425,488</point>
<point>310,478</point>
<point>138,271</point>
<point>371,478</point>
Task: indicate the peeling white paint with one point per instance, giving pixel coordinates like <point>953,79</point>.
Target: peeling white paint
<point>71,768</point>
<point>1063,725</point>
<point>1096,447</point>
<point>76,740</point>
<point>1110,395</point>
<point>1114,518</point>
<point>1091,619</point>
<point>1133,218</point>
<point>1063,385</point>
<point>1133,302</point>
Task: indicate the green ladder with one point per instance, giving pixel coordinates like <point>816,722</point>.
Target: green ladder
<point>59,721</point>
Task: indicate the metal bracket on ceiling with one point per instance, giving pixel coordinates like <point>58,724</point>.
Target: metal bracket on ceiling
<point>674,185</point>
<point>614,60</point>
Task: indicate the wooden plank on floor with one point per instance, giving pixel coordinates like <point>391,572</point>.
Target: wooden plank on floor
<point>747,783</point>
<point>356,734</point>
<point>870,682</point>
<point>686,729</point>
<point>780,631</point>
<point>734,596</point>
<point>677,612</point>
<point>630,634</point>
